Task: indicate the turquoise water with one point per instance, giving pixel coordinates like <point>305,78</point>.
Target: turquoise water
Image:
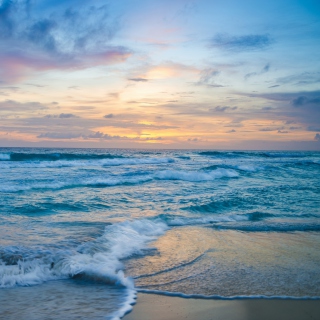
<point>82,230</point>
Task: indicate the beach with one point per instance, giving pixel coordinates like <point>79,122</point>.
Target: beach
<point>159,307</point>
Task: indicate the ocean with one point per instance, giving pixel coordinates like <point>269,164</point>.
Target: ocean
<point>83,230</point>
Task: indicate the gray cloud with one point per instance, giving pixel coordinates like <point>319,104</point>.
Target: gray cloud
<point>109,116</point>
<point>66,115</point>
<point>241,43</point>
<point>267,129</point>
<point>14,106</point>
<point>138,79</point>
<point>303,100</point>
<point>224,108</point>
<point>317,137</point>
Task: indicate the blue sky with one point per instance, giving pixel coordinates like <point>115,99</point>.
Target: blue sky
<point>160,74</point>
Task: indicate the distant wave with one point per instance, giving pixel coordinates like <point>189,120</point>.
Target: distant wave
<point>83,163</point>
<point>192,176</point>
<point>20,156</point>
<point>263,154</point>
<point>241,167</point>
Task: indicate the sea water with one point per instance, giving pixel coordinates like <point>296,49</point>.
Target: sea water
<point>83,230</point>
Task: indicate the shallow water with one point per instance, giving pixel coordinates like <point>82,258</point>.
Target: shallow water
<point>111,222</point>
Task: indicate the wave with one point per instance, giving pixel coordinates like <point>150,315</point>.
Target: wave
<point>22,156</point>
<point>241,167</point>
<point>263,154</point>
<point>98,260</point>
<point>195,176</point>
<point>192,176</point>
<point>179,221</point>
<point>270,227</point>
<point>84,163</point>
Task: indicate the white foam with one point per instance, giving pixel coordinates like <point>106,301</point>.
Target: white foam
<point>4,156</point>
<point>195,176</point>
<point>126,307</point>
<point>99,259</point>
<point>248,168</point>
<point>182,221</point>
<point>85,163</point>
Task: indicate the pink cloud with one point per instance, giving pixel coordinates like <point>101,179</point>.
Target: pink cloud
<point>15,66</point>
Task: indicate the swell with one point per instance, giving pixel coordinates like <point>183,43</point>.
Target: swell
<point>259,154</point>
<point>21,156</point>
<point>60,163</point>
<point>191,176</point>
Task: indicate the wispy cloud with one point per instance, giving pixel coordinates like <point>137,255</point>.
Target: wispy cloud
<point>208,77</point>
<point>241,43</point>
<point>265,69</point>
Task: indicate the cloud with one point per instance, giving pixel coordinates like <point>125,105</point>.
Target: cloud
<point>303,100</point>
<point>43,36</point>
<point>317,137</point>
<point>241,43</point>
<point>66,115</point>
<point>267,129</point>
<point>208,77</point>
<point>224,108</point>
<point>13,106</point>
<point>313,128</point>
<point>108,116</point>
<point>138,79</point>
<point>61,116</point>
<point>59,135</point>
<point>93,135</point>
<point>265,69</point>
<point>231,131</point>
<point>304,78</point>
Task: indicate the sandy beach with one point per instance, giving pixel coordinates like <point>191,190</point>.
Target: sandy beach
<point>159,307</point>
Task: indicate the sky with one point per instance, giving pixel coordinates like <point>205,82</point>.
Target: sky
<point>200,74</point>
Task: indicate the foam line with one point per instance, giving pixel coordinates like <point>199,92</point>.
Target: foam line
<point>217,297</point>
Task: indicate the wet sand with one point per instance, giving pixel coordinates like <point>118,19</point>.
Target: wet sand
<point>159,307</point>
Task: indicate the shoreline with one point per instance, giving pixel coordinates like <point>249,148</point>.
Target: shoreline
<point>160,307</point>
